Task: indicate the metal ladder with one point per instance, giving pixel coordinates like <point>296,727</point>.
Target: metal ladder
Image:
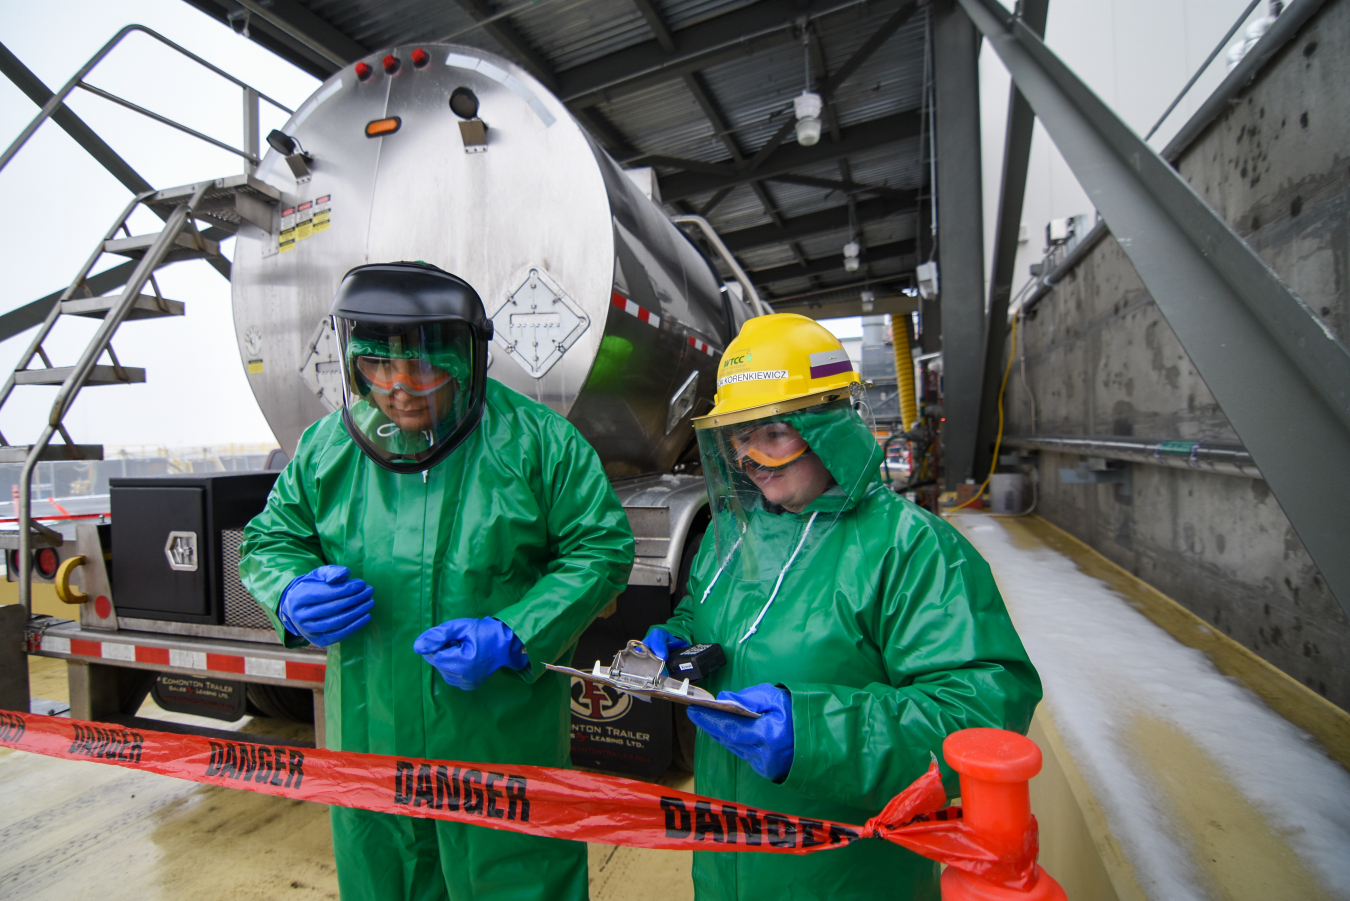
<point>224,202</point>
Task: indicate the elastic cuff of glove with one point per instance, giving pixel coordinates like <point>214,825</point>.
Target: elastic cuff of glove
<point>517,659</point>
<point>286,622</point>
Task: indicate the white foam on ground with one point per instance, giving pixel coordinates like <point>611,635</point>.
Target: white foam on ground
<point>1101,661</point>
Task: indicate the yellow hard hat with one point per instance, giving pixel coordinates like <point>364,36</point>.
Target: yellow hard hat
<point>778,363</point>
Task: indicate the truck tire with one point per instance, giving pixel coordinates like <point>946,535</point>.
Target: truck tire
<point>282,703</point>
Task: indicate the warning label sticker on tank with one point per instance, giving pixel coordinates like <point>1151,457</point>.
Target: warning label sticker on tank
<point>758,375</point>
<point>286,236</point>
<point>322,212</point>
<point>304,220</point>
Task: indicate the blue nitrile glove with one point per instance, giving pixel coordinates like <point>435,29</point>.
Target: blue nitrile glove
<point>662,643</point>
<point>466,651</point>
<point>765,743</point>
<point>325,606</point>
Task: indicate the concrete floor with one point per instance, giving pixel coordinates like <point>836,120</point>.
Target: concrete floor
<point>71,829</point>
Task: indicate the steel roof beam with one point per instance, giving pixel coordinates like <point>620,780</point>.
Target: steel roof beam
<point>860,138</point>
<point>714,116</point>
<point>506,35</point>
<point>1281,377</point>
<point>604,131</point>
<point>525,55</point>
<point>713,201</point>
<point>1012,188</point>
<point>843,186</point>
<point>735,34</point>
<point>863,53</point>
<point>832,263</point>
<point>270,36</point>
<point>657,24</point>
<point>799,227</point>
<point>301,24</point>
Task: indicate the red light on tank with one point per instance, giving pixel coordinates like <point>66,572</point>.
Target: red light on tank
<point>390,63</point>
<point>363,71</point>
<point>420,57</point>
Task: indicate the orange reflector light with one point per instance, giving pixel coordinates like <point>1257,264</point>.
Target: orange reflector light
<point>383,127</point>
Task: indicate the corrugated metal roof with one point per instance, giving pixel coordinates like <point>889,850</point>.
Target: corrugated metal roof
<point>568,39</point>
<point>683,13</point>
<point>381,23</point>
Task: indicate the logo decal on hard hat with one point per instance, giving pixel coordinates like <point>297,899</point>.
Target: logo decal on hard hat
<point>830,362</point>
<point>758,375</point>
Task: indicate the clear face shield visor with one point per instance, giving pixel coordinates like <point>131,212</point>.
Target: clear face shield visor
<point>411,393</point>
<point>772,493</point>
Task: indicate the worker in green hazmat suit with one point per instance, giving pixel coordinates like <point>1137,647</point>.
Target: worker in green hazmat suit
<point>863,629</point>
<point>445,538</point>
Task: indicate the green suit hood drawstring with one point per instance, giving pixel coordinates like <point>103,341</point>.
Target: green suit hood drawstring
<point>848,449</point>
<point>754,627</point>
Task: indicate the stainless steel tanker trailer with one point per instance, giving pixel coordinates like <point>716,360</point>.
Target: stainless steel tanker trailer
<point>603,309</point>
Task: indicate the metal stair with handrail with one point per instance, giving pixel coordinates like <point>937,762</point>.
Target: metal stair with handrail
<point>222,203</point>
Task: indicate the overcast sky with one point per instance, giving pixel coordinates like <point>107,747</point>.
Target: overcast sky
<point>59,203</point>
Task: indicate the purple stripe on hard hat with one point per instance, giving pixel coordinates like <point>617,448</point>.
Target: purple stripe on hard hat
<point>819,372</point>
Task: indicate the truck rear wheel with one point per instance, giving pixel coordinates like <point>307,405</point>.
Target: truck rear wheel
<point>282,703</point>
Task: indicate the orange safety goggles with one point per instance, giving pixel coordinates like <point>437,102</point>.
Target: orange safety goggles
<point>386,374</point>
<point>773,446</point>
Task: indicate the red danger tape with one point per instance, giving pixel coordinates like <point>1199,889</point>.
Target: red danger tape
<point>535,800</point>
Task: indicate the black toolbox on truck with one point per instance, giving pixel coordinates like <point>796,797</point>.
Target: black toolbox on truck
<point>175,543</point>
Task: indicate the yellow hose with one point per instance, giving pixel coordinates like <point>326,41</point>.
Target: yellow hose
<point>904,371</point>
<point>998,441</point>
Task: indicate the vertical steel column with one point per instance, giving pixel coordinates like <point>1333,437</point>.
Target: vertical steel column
<point>960,232</point>
<point>1016,155</point>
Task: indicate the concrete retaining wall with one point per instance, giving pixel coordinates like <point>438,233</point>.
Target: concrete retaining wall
<point>1097,358</point>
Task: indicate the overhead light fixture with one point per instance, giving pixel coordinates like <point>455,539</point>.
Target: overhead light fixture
<point>807,106</point>
<point>851,251</point>
<point>868,299</point>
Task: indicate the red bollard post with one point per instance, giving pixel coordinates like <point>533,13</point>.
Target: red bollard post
<point>995,766</point>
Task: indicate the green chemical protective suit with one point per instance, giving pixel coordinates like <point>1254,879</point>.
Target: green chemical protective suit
<point>518,523</point>
<point>889,633</point>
